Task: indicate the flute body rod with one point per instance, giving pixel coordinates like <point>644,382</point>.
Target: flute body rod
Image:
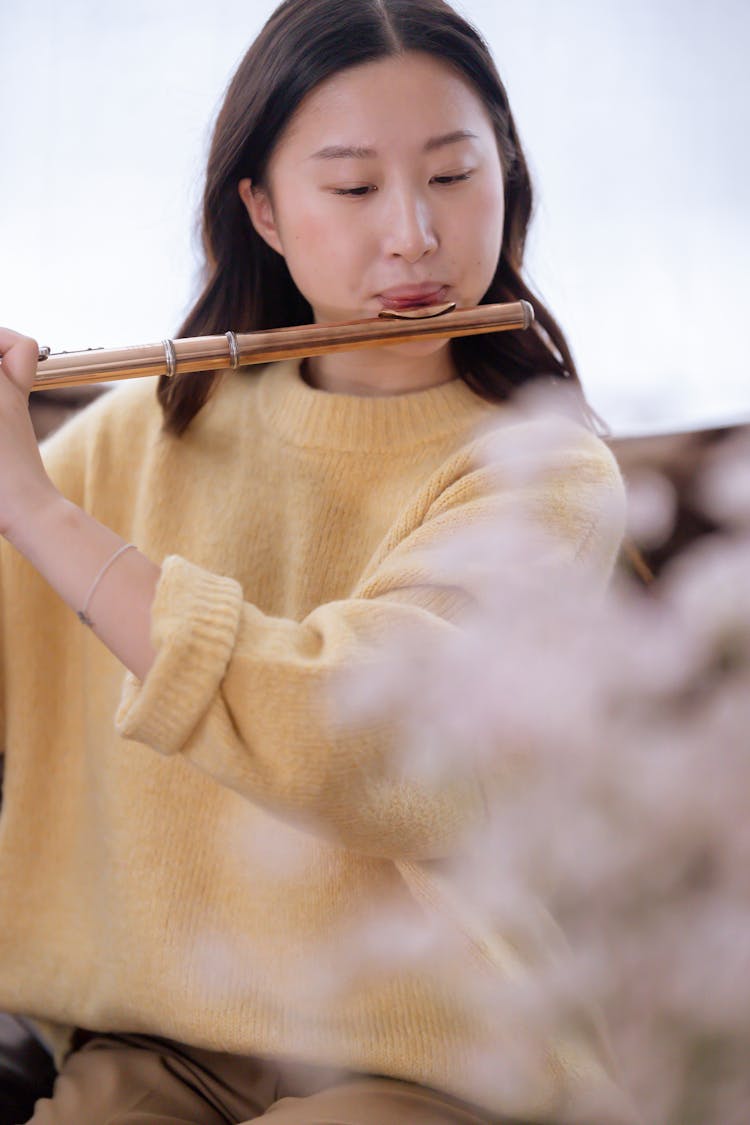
<point>199,353</point>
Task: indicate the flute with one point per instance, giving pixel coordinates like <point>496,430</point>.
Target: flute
<point>233,350</point>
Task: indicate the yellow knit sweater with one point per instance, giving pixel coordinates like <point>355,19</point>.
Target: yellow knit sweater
<point>203,855</point>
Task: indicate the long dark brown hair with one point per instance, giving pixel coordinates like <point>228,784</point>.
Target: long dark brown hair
<point>247,285</point>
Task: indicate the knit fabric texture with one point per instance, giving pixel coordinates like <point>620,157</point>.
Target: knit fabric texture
<point>203,855</point>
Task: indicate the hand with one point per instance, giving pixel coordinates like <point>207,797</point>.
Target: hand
<point>25,487</point>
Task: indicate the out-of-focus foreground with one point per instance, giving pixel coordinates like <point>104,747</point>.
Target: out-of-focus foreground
<point>613,736</point>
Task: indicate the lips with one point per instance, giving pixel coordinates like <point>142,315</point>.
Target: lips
<point>413,296</point>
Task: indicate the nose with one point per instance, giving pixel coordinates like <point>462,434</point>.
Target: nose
<point>409,226</point>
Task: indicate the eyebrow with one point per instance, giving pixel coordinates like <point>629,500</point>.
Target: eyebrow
<point>357,152</point>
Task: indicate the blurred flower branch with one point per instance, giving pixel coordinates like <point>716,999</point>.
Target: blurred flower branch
<point>613,734</point>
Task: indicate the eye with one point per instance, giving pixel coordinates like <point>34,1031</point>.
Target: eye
<point>452,179</point>
<point>355,192</point>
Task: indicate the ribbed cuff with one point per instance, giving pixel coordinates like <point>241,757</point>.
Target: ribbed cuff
<point>194,621</point>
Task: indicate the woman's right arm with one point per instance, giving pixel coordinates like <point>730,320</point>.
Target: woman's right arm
<point>62,542</point>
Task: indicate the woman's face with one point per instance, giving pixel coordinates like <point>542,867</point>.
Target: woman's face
<point>386,190</point>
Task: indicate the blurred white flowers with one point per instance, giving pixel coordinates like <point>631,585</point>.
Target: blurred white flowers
<point>613,736</point>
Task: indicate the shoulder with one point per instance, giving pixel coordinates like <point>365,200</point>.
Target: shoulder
<point>542,472</point>
<point>533,442</point>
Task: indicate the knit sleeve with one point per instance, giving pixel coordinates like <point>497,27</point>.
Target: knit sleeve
<point>247,697</point>
<point>61,458</point>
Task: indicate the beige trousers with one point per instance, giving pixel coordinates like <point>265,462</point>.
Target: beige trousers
<point>140,1080</point>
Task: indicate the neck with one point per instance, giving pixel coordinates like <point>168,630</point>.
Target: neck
<point>378,372</point>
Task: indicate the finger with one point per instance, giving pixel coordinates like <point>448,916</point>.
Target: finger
<point>19,358</point>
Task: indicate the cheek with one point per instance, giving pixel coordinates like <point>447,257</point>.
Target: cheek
<point>474,241</point>
<point>482,239</point>
<point>318,244</point>
<point>306,232</point>
<point>304,250</point>
<point>490,212</point>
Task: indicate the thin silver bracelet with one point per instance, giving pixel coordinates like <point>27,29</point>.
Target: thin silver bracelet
<point>83,614</point>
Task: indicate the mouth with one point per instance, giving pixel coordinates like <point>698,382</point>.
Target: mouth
<point>414,296</point>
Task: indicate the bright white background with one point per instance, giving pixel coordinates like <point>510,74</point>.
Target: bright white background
<point>635,115</point>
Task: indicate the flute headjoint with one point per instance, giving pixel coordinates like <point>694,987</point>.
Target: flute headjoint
<point>420,312</point>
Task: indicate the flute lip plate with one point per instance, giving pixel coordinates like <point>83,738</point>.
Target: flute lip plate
<point>419,313</point>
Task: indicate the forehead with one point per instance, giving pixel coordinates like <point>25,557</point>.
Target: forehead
<point>399,102</point>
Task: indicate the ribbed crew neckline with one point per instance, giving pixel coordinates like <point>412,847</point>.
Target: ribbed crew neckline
<point>305,416</point>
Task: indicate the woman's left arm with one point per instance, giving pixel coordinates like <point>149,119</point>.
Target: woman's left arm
<point>255,701</point>
<point>63,543</point>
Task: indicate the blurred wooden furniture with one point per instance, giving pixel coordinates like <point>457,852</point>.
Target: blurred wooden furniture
<point>681,457</point>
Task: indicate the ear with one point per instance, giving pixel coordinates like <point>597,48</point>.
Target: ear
<point>257,201</point>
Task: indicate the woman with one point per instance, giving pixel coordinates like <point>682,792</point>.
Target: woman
<point>197,913</point>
